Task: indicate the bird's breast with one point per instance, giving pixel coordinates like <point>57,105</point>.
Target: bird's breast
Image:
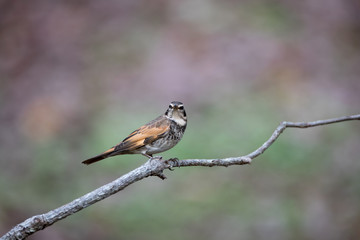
<point>168,141</point>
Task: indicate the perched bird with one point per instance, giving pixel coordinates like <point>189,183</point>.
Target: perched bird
<point>157,136</point>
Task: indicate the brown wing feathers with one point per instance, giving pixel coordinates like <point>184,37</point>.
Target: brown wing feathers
<point>137,139</point>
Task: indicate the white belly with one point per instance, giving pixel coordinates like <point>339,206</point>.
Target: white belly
<point>160,146</point>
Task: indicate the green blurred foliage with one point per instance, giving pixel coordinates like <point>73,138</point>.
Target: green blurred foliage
<point>77,77</point>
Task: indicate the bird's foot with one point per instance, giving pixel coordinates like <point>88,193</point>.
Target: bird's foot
<point>175,161</point>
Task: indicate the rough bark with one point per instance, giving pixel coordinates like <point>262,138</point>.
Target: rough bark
<point>154,167</point>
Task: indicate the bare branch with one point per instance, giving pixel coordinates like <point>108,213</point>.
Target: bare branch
<point>150,168</point>
<point>285,124</point>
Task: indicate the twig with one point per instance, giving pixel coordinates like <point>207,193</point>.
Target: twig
<point>150,168</point>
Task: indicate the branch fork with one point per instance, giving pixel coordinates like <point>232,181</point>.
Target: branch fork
<point>150,168</point>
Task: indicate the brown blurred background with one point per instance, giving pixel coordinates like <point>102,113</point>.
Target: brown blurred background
<point>77,76</point>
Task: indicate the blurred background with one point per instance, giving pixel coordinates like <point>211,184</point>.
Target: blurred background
<point>77,76</point>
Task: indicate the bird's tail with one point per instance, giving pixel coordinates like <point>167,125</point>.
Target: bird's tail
<point>99,157</point>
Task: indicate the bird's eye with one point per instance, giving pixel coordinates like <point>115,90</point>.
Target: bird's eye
<point>181,107</point>
<point>171,106</point>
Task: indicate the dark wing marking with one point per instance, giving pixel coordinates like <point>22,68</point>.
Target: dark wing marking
<point>144,135</point>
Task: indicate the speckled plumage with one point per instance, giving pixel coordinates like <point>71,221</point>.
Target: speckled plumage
<point>157,136</point>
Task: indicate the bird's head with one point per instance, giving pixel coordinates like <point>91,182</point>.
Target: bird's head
<point>176,112</point>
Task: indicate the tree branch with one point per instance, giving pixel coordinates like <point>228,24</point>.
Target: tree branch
<point>150,168</point>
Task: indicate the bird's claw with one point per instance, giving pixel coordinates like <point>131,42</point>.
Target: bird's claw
<point>175,163</point>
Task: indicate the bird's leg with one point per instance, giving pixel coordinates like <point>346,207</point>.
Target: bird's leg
<point>151,157</point>
<point>147,155</point>
<point>156,157</point>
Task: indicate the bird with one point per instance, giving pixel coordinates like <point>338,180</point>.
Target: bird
<point>157,136</point>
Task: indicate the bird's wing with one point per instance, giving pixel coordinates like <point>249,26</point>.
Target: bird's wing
<point>144,135</point>
<point>138,138</point>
